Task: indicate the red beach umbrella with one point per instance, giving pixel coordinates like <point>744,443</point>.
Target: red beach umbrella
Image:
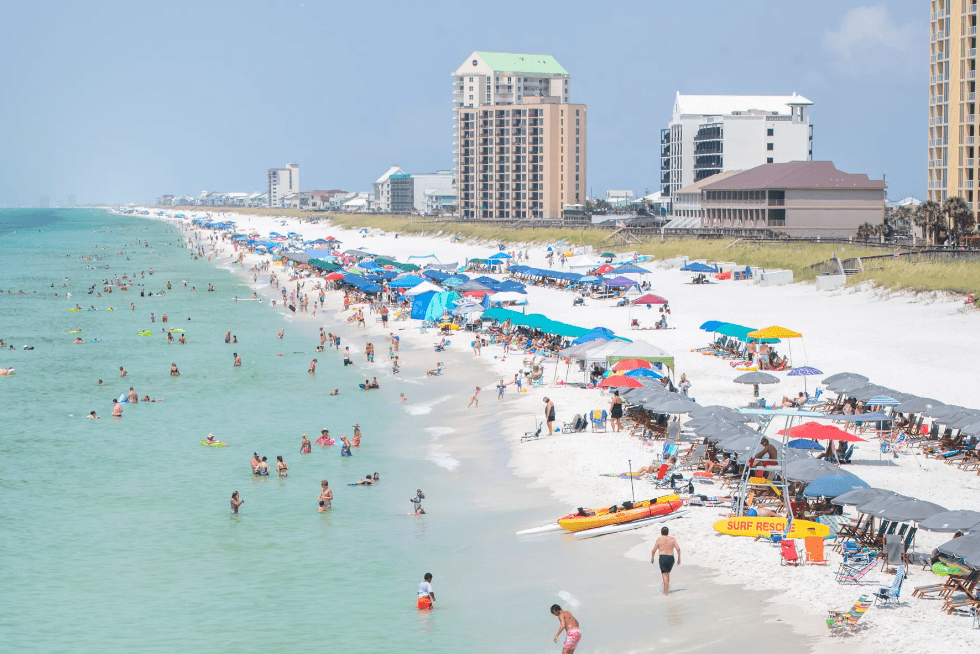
<point>604,269</point>
<point>818,431</point>
<point>619,381</point>
<point>631,364</point>
<point>334,276</point>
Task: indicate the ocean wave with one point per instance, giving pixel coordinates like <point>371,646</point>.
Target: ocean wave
<point>439,431</point>
<point>443,460</point>
<point>424,408</point>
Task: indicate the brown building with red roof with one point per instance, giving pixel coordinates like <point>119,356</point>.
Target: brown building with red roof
<point>800,198</point>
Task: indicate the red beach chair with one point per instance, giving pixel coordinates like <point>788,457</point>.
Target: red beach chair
<point>787,553</point>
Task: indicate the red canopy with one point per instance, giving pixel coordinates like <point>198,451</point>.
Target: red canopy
<point>631,364</point>
<point>649,298</point>
<point>819,431</point>
<point>604,269</point>
<point>619,381</point>
<point>334,276</point>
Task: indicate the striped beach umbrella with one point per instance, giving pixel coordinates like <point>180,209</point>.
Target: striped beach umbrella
<point>882,400</point>
<point>804,372</point>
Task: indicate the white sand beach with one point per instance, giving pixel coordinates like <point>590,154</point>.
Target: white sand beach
<point>916,343</point>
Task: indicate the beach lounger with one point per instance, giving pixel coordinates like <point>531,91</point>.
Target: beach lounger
<point>841,623</point>
<point>599,419</point>
<point>576,425</point>
<point>814,550</point>
<point>890,594</point>
<point>853,574</point>
<point>532,435</point>
<point>894,553</point>
<point>787,553</point>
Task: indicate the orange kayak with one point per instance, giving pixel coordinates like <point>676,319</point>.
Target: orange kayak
<point>592,518</point>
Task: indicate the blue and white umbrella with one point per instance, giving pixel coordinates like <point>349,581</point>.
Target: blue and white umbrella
<point>882,400</point>
<point>804,372</point>
<point>804,444</point>
<point>833,485</point>
<point>646,372</point>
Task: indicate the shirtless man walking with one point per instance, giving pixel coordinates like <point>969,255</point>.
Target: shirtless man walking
<point>666,546</point>
<point>569,625</point>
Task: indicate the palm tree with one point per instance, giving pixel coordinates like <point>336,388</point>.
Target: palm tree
<point>960,216</point>
<point>927,216</point>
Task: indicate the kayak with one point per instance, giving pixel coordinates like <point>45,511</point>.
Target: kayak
<point>590,519</point>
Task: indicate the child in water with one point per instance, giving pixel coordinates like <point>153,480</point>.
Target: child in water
<point>417,501</point>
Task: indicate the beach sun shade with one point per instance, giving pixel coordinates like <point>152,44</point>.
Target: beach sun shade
<point>499,255</point>
<point>602,270</point>
<point>775,332</point>
<point>629,268</point>
<point>842,376</point>
<point>918,405</point>
<point>620,282</point>
<point>804,371</point>
<point>649,298</point>
<point>334,276</point>
<point>698,267</point>
<point>861,496</point>
<point>950,521</point>
<point>882,400</point>
<point>804,444</point>
<point>756,378</point>
<point>711,325</point>
<point>643,372</point>
<point>631,364</point>
<point>819,431</point>
<point>808,470</point>
<point>912,510</point>
<point>622,381</point>
<point>962,547</point>
<point>833,485</point>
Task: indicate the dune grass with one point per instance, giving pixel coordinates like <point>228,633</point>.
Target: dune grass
<point>956,277</point>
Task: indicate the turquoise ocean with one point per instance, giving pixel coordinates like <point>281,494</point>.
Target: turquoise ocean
<point>115,534</point>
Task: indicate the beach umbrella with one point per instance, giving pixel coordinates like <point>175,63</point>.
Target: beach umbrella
<point>962,547</point>
<point>804,444</point>
<point>756,377</point>
<point>698,267</point>
<point>807,470</point>
<point>961,520</point>
<point>602,270</point>
<point>621,381</point>
<point>643,372</point>
<point>631,364</point>
<point>820,431</point>
<point>499,255</point>
<point>804,372</point>
<point>711,325</point>
<point>725,412</point>
<point>918,405</point>
<point>915,510</point>
<point>775,331</point>
<point>744,447</point>
<point>876,506</point>
<point>861,496</point>
<point>334,276</point>
<point>673,404</point>
<point>833,485</point>
<point>650,298</point>
<point>882,400</point>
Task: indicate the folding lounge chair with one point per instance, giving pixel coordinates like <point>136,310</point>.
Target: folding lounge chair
<point>814,550</point>
<point>890,594</point>
<point>841,623</point>
<point>532,435</point>
<point>577,424</point>
<point>852,574</point>
<point>787,553</point>
<point>894,553</point>
<point>598,419</point>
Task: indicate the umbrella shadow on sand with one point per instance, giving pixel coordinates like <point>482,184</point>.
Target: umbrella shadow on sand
<point>875,463</point>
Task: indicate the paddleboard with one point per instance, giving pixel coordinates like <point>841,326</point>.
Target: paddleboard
<point>636,524</point>
<point>541,530</point>
<point>761,526</point>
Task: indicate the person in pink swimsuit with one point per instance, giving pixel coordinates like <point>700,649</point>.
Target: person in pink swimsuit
<point>569,625</point>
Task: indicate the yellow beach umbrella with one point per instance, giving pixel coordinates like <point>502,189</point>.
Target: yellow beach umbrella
<point>775,331</point>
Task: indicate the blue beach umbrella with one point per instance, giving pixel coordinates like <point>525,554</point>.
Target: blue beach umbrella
<point>699,267</point>
<point>804,444</point>
<point>804,372</point>
<point>646,372</point>
<point>882,400</point>
<point>833,485</point>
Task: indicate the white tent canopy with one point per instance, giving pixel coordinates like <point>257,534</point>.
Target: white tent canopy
<point>613,351</point>
<point>582,263</point>
<point>424,287</point>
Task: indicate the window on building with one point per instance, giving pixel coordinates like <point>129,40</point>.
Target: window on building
<point>768,159</point>
<point>769,146</point>
<point>471,79</point>
<point>769,132</point>
<point>471,97</point>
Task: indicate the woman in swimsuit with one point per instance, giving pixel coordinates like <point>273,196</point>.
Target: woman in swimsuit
<point>281,467</point>
<point>174,372</point>
<point>235,502</point>
<point>345,448</point>
<point>326,496</point>
<point>305,447</point>
<point>616,412</point>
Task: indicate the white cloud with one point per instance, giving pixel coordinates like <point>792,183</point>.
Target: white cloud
<point>869,41</point>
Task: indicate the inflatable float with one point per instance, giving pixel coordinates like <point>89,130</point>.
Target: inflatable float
<point>630,511</point>
<point>6,372</point>
<point>212,444</point>
<point>325,441</point>
<point>147,333</point>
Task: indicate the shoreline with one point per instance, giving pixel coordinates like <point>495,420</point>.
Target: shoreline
<point>552,468</point>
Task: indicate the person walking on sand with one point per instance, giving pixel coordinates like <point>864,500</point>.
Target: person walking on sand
<point>666,546</point>
<point>616,412</point>
<point>475,398</point>
<point>549,414</point>
<point>500,389</point>
<point>568,624</point>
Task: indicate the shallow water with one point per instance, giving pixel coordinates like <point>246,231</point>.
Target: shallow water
<point>116,534</point>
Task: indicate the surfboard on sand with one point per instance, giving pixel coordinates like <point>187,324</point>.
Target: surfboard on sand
<point>761,526</point>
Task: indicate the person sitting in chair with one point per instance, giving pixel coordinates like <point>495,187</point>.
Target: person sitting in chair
<point>713,466</point>
<point>793,403</point>
<point>437,371</point>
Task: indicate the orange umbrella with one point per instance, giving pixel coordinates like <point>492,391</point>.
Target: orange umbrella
<point>631,364</point>
<point>620,381</point>
<point>818,431</point>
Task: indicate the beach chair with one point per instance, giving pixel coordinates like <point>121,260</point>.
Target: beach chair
<point>842,623</point>
<point>894,553</point>
<point>577,424</point>
<point>533,435</point>
<point>787,553</point>
<point>853,574</point>
<point>598,419</point>
<point>814,550</point>
<point>890,594</point>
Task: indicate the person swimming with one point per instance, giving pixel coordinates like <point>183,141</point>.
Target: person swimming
<point>367,481</point>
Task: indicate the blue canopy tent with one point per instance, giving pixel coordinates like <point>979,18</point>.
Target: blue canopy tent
<point>361,284</point>
<point>455,280</point>
<point>628,268</point>
<point>510,285</point>
<point>620,282</point>
<point>408,281</point>
<point>499,255</point>
<point>698,267</point>
<point>436,275</point>
<point>431,305</point>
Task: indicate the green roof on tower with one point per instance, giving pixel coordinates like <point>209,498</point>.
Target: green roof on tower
<point>523,63</point>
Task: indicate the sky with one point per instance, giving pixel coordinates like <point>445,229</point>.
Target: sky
<point>115,102</point>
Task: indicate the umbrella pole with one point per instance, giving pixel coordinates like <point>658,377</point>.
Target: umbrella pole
<point>632,490</point>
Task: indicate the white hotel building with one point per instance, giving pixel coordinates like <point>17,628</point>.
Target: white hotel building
<point>709,134</point>
<point>283,182</point>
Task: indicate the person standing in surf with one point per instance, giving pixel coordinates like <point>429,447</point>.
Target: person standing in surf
<point>235,502</point>
<point>568,624</point>
<point>426,595</point>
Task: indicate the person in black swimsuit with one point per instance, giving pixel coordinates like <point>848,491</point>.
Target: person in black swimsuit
<point>549,414</point>
<point>616,412</point>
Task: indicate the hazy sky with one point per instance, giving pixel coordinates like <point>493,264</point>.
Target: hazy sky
<point>124,101</point>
